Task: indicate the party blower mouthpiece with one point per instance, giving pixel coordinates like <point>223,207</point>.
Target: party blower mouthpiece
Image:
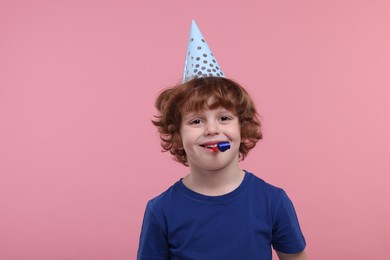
<point>222,146</point>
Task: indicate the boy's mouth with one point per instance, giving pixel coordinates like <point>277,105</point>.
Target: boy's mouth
<point>215,147</point>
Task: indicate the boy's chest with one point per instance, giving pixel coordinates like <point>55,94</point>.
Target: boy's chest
<point>226,228</point>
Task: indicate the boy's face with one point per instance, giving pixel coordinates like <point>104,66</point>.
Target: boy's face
<point>208,127</point>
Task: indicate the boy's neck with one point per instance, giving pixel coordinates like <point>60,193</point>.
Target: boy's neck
<point>214,183</point>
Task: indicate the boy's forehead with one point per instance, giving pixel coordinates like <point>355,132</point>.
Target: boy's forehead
<point>199,103</point>
<point>204,110</point>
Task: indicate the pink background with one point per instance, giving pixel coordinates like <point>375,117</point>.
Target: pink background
<point>79,157</point>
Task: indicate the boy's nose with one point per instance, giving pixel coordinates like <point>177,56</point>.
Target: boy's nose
<point>211,129</point>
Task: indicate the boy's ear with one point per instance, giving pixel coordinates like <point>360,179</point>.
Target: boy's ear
<point>179,143</point>
<point>244,140</point>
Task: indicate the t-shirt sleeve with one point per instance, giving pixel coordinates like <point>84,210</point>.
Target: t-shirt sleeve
<point>287,236</point>
<point>153,242</point>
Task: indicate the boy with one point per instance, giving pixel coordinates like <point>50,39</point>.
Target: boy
<point>217,211</point>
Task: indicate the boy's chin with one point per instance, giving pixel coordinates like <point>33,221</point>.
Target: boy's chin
<point>215,164</point>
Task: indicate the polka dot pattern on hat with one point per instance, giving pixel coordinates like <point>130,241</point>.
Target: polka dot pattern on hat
<point>200,61</point>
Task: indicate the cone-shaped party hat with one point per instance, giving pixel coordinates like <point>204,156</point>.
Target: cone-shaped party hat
<point>200,61</point>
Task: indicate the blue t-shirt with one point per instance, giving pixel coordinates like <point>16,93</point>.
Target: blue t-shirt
<point>243,224</point>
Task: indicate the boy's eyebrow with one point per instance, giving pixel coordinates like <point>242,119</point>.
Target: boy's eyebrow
<point>191,114</point>
<point>201,112</point>
<point>225,110</point>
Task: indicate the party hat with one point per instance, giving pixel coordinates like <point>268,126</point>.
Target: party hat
<point>200,61</point>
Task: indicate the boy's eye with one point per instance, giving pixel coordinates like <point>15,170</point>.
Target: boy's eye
<point>225,118</point>
<point>195,122</point>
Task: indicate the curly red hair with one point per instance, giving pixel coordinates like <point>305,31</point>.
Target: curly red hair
<point>194,96</point>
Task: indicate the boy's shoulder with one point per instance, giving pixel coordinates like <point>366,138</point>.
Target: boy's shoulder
<point>164,199</point>
<point>266,189</point>
<point>263,184</point>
